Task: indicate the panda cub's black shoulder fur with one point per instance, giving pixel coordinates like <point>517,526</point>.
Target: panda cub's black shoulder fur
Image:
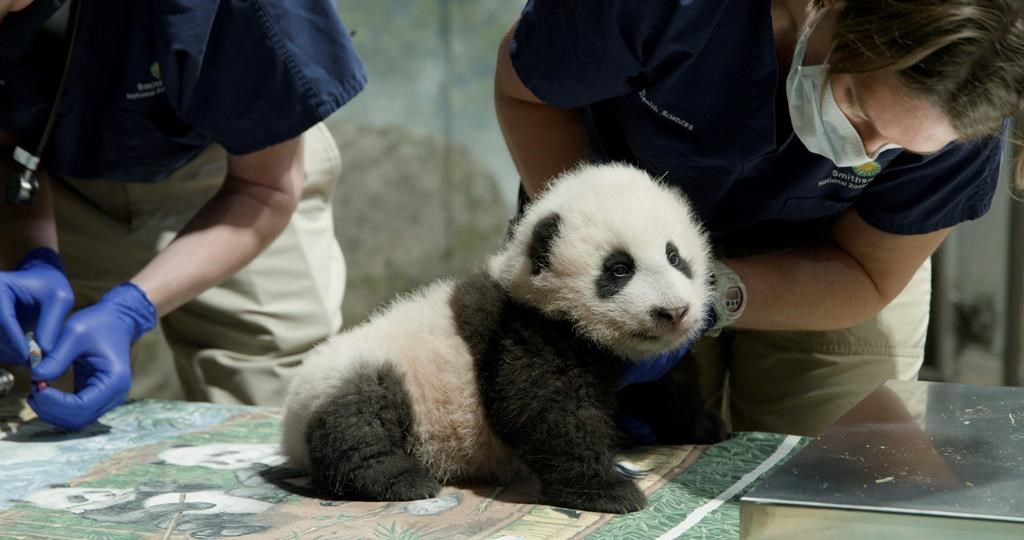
<point>550,393</point>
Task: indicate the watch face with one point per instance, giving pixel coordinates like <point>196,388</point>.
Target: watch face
<point>733,299</point>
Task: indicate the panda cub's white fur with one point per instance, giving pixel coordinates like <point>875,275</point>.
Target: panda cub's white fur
<point>603,208</point>
<point>449,383</point>
<point>415,334</point>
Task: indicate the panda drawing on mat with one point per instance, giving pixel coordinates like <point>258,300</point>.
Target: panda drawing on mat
<point>516,365</point>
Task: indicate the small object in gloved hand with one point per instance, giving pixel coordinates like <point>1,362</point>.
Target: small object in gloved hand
<point>6,382</point>
<point>35,355</point>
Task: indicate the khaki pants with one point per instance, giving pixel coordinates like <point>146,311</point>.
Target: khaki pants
<point>239,341</point>
<point>801,382</point>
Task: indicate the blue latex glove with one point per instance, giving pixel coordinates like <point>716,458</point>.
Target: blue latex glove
<point>647,370</point>
<point>637,430</point>
<point>98,341</point>
<point>655,367</point>
<point>650,370</point>
<point>34,296</point>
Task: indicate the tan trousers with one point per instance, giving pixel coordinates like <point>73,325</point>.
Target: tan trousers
<point>801,382</point>
<point>239,341</point>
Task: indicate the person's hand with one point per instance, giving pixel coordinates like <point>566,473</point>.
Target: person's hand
<point>97,340</point>
<point>649,370</point>
<point>35,295</point>
<point>652,368</point>
<point>655,367</point>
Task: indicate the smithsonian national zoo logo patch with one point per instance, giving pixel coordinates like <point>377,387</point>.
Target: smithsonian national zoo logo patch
<point>859,179</point>
<point>868,170</point>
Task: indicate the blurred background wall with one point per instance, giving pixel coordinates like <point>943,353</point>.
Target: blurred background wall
<point>978,293</point>
<point>428,187</point>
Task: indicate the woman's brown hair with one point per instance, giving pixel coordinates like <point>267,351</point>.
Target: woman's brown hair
<point>965,57</point>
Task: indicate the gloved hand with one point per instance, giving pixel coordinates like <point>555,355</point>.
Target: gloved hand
<point>650,370</point>
<point>98,340</point>
<point>35,295</point>
<point>655,367</point>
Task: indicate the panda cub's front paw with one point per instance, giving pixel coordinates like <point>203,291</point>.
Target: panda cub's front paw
<point>412,485</point>
<point>710,429</point>
<point>619,497</point>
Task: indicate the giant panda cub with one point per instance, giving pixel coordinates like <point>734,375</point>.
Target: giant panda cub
<point>515,366</point>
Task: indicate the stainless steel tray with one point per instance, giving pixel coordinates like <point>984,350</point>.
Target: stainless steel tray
<point>912,460</point>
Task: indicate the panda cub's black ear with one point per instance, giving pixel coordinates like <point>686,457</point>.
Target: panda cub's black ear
<point>541,242</point>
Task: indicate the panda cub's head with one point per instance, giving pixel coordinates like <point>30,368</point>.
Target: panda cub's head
<point>617,253</point>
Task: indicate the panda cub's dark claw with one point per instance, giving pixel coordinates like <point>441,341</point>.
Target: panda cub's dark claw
<point>389,478</point>
<point>620,497</point>
<point>410,485</point>
<point>710,430</point>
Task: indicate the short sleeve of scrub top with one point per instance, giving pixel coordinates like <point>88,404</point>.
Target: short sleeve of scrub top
<point>152,84</point>
<point>577,52</point>
<point>253,74</point>
<point>921,194</point>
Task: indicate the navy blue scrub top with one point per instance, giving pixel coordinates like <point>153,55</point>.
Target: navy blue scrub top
<point>689,90</point>
<point>154,83</point>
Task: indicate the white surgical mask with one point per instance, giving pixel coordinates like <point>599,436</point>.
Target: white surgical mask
<point>817,119</point>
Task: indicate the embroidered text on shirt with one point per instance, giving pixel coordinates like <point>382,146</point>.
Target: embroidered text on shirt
<point>846,180</point>
<point>148,89</point>
<point>665,114</point>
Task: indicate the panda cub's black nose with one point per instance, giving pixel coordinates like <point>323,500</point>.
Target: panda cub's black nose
<point>670,314</point>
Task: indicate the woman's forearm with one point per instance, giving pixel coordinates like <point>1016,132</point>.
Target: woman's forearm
<point>543,140</point>
<point>255,204</point>
<point>25,227</point>
<point>835,286</point>
<point>802,289</point>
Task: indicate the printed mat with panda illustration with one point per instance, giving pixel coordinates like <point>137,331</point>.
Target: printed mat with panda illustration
<point>154,469</point>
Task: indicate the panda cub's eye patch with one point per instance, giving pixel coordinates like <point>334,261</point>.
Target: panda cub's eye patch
<point>616,271</point>
<point>676,260</point>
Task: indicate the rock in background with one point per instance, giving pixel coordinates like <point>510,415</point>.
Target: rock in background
<point>428,185</point>
<point>409,208</point>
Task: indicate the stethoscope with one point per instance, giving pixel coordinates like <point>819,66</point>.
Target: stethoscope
<point>23,185</point>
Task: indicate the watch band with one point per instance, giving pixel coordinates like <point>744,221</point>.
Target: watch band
<point>729,296</point>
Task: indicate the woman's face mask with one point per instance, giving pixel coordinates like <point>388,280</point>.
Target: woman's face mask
<point>817,119</point>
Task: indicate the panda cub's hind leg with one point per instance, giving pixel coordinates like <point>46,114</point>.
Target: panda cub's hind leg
<point>358,441</point>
